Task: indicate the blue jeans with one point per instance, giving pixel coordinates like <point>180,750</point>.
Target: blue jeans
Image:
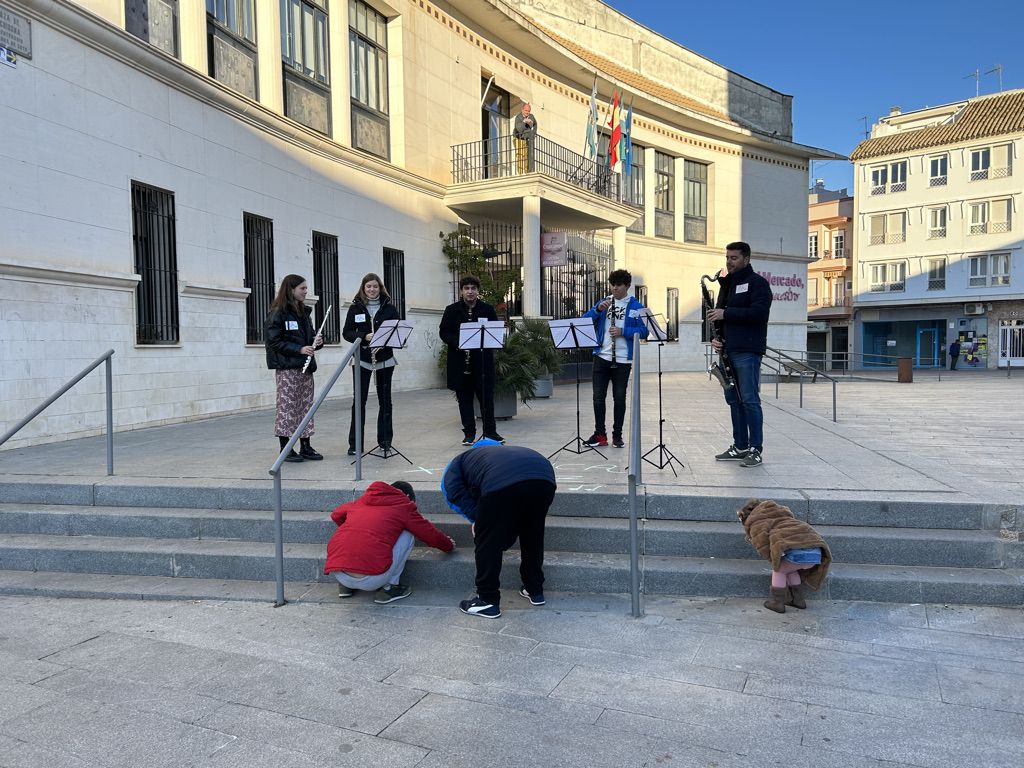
<point>745,404</point>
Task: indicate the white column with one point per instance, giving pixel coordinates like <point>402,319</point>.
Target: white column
<point>531,256</point>
<point>192,33</point>
<point>269,70</point>
<point>619,247</point>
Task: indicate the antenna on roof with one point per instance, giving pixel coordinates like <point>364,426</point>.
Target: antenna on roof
<point>976,74</point>
<point>867,133</point>
<point>998,69</point>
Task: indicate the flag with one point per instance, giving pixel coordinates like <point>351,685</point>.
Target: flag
<point>627,142</point>
<point>616,138</point>
<point>592,124</point>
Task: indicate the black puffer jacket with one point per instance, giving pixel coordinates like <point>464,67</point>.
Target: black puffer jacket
<point>285,335</point>
<point>747,300</point>
<point>360,322</point>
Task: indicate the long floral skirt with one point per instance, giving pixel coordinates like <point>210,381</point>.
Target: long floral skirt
<point>294,399</point>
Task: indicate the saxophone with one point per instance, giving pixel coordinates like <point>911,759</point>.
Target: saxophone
<point>721,369</point>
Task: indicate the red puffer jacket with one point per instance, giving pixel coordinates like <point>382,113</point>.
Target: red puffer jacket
<point>369,527</point>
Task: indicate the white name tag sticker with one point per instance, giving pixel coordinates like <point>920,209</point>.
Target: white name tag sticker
<point>291,325</point>
<point>742,287</point>
<point>360,318</point>
<point>634,312</point>
<point>482,320</point>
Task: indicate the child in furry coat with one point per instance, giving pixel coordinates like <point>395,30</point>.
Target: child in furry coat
<point>792,546</point>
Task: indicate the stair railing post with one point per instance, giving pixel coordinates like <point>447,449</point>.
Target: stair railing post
<point>278,540</point>
<point>109,370</point>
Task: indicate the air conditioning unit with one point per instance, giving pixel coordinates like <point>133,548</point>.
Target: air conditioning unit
<point>976,308</point>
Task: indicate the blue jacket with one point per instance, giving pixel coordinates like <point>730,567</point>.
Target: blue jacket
<point>633,325</point>
<point>747,300</point>
<point>489,469</point>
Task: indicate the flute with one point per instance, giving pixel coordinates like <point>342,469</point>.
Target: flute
<point>309,358</point>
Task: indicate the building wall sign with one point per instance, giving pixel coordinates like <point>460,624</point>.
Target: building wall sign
<point>15,33</point>
<point>553,250</point>
<point>789,282</point>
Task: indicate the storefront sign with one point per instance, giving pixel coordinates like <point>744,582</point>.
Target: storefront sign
<point>15,33</point>
<point>817,326</point>
<point>789,282</point>
<point>553,249</point>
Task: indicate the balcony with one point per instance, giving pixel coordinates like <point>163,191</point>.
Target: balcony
<point>829,306</point>
<point>838,253</point>
<point>492,177</point>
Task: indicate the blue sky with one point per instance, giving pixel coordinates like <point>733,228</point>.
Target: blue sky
<point>839,69</point>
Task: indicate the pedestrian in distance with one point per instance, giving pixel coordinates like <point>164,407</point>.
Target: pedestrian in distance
<point>617,321</point>
<point>374,538</point>
<point>796,551</point>
<point>954,354</point>
<point>290,341</point>
<point>743,305</point>
<point>505,492</point>
<point>371,306</point>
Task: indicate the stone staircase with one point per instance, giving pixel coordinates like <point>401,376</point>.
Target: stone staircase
<point>140,534</point>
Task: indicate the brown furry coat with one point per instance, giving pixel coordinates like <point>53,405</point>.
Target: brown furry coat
<point>772,529</point>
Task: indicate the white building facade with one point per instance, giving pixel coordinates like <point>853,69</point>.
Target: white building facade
<point>167,163</point>
<point>938,259</point>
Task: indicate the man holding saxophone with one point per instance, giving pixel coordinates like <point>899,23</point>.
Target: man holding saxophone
<point>743,305</point>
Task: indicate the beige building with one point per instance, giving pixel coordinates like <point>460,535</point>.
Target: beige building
<point>938,195</point>
<point>829,276</point>
<point>169,161</point>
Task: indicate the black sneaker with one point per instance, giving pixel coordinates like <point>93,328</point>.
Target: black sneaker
<point>733,454</point>
<point>309,453</point>
<point>344,591</point>
<point>468,438</point>
<point>537,599</point>
<point>478,607</point>
<point>617,441</point>
<point>351,451</point>
<point>597,440</point>
<point>293,456</point>
<point>753,458</point>
<point>391,593</point>
<point>495,437</point>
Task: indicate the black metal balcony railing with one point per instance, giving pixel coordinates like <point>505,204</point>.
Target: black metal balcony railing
<point>505,156</point>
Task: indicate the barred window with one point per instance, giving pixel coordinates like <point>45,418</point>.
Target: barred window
<point>672,314</point>
<point>155,21</point>
<point>259,274</point>
<point>325,283</point>
<point>156,262</point>
<point>695,202</point>
<point>368,65</point>
<point>640,291</point>
<point>394,278</point>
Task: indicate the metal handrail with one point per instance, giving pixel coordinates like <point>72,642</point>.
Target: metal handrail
<point>634,478</point>
<point>104,358</point>
<point>778,357</point>
<point>275,470</point>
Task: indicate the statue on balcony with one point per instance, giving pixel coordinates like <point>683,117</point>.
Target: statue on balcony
<point>523,134</point>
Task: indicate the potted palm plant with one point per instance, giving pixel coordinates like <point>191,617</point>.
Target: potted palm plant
<point>546,361</point>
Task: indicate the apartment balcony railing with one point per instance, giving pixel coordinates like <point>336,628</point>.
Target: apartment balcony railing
<point>837,253</point>
<point>990,173</point>
<point>937,233</point>
<point>504,156</point>
<point>896,237</point>
<point>937,181</point>
<point>896,287</point>
<point>936,284</point>
<point>830,301</point>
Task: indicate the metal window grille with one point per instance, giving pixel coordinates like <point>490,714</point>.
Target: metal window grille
<point>672,314</point>
<point>156,262</point>
<point>394,278</point>
<point>571,290</point>
<point>259,274</point>
<point>325,282</point>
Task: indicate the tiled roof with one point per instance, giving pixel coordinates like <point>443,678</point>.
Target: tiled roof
<point>638,81</point>
<point>995,115</point>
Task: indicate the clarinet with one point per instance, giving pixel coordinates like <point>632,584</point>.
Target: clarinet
<point>468,370</point>
<point>721,369</point>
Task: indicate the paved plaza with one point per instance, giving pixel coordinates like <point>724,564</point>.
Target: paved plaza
<point>706,682</point>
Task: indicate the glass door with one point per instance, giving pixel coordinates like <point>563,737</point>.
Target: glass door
<point>494,120</point>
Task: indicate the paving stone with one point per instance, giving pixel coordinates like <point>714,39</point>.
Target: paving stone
<point>18,698</point>
<point>977,620</point>
<point>20,669</point>
<point>993,690</point>
<point>22,754</point>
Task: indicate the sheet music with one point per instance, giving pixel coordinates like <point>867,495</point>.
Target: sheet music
<point>391,333</point>
<point>655,331</point>
<point>562,333</point>
<point>486,334</point>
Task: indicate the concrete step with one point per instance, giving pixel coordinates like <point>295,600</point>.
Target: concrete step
<point>566,571</point>
<point>916,510</point>
<point>928,547</point>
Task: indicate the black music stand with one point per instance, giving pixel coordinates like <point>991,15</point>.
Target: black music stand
<point>394,334</point>
<point>575,333</point>
<point>481,335</point>
<point>665,457</point>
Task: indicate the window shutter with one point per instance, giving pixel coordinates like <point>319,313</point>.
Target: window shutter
<point>1001,156</point>
<point>877,226</point>
<point>895,223</point>
<point>1000,211</point>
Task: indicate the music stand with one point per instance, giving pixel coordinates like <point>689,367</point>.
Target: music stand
<point>480,335</point>
<point>394,334</point>
<point>665,456</point>
<point>575,333</point>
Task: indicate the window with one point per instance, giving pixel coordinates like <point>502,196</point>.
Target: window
<point>936,223</point>
<point>989,216</point>
<point>879,179</point>
<point>304,53</point>
<point>155,21</point>
<point>936,274</point>
<point>888,228</point>
<point>812,292</point>
<point>325,284</point>
<point>640,291</point>
<point>259,274</point>
<point>990,270</point>
<point>368,65</point>
<point>839,245</point>
<point>898,176</point>
<point>672,314</point>
<point>156,262</point>
<point>812,245</point>
<point>938,167</point>
<point>231,38</point>
<point>394,278</point>
<point>979,218</point>
<point>889,277</point>
<point>635,189</point>
<point>695,202</point>
<point>664,196</point>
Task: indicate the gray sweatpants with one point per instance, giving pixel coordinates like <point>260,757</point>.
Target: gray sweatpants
<point>399,554</point>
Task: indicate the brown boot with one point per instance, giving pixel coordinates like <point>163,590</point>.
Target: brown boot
<point>777,601</point>
<point>796,596</point>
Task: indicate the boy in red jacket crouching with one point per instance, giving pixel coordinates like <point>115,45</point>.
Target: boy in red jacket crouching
<point>375,535</point>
